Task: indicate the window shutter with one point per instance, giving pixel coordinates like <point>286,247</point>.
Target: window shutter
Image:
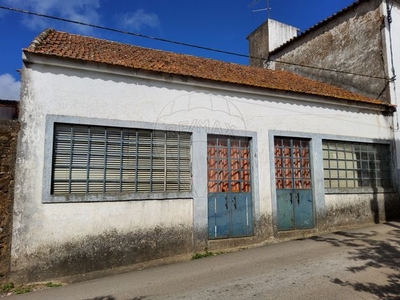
<point>95,159</point>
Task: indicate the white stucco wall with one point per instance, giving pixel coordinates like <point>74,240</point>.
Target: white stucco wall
<point>173,103</point>
<point>279,33</point>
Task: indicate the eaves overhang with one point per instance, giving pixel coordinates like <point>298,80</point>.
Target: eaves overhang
<point>55,61</point>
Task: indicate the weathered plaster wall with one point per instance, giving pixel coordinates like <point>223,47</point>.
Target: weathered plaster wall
<point>352,42</point>
<point>8,149</point>
<point>259,46</point>
<point>267,37</point>
<point>54,239</point>
<point>355,209</point>
<point>279,33</point>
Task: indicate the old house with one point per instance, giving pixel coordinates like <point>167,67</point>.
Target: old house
<point>128,154</point>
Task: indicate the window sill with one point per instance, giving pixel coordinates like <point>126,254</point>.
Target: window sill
<point>360,191</point>
<point>120,197</point>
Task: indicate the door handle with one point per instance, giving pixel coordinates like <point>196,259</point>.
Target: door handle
<point>298,198</point>
<point>291,198</point>
<point>226,202</point>
<point>234,201</point>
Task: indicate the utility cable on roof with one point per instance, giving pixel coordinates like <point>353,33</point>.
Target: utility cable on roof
<point>330,70</point>
<point>174,42</point>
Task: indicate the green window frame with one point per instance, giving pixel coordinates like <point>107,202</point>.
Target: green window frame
<point>100,160</point>
<point>354,165</point>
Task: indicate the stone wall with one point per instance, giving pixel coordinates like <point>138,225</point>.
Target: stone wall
<point>259,46</point>
<point>352,42</point>
<point>8,146</point>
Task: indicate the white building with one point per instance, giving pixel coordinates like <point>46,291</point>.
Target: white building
<point>129,154</point>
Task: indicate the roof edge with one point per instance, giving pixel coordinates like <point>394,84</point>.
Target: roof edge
<point>205,82</point>
<point>40,38</point>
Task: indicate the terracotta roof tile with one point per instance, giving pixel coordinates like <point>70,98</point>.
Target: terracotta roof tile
<point>65,45</point>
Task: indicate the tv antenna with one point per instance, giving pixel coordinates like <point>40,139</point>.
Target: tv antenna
<point>255,2</point>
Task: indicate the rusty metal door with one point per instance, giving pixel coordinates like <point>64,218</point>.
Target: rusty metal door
<point>229,187</point>
<point>293,184</point>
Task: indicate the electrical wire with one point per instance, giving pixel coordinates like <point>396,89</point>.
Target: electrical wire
<point>177,42</point>
<point>330,70</point>
<point>121,31</point>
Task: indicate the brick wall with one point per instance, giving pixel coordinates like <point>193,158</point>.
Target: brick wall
<point>8,146</point>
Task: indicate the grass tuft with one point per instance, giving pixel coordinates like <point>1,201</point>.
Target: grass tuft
<point>206,253</point>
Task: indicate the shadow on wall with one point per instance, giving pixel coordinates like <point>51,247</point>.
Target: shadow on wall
<point>372,253</point>
<point>390,210</point>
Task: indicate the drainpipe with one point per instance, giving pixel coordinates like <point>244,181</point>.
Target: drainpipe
<point>387,6</point>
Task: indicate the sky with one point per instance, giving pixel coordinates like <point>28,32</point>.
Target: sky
<point>217,24</point>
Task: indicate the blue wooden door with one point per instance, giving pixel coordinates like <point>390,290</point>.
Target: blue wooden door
<point>229,187</point>
<point>218,215</point>
<point>285,209</point>
<point>293,184</point>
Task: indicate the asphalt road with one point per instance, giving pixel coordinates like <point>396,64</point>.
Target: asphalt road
<point>356,264</point>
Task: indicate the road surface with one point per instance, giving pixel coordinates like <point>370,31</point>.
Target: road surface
<point>355,264</point>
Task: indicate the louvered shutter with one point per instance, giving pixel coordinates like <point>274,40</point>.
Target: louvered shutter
<point>95,159</point>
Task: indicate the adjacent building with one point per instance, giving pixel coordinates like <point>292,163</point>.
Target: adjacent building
<point>355,49</point>
<point>9,127</point>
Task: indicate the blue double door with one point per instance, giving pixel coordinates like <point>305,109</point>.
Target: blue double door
<point>295,209</point>
<point>229,187</point>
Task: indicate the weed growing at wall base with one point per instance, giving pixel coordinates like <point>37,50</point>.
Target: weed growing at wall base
<point>6,288</point>
<point>201,255</point>
<point>52,285</point>
<point>206,253</point>
<point>10,288</point>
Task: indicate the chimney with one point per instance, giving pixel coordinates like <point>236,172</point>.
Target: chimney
<point>267,37</point>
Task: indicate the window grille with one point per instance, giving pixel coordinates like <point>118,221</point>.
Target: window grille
<point>292,163</point>
<point>229,168</point>
<point>356,165</point>
<point>95,159</point>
